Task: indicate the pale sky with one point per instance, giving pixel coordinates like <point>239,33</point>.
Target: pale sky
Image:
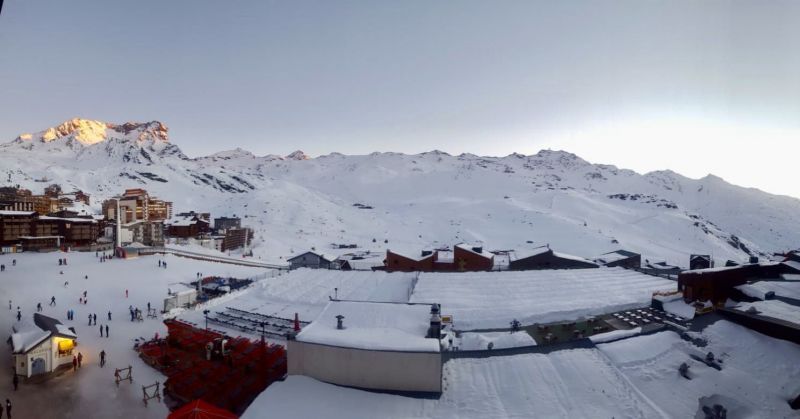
<point>694,86</point>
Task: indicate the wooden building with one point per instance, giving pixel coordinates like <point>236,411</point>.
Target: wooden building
<point>15,224</point>
<point>75,231</point>
<point>620,258</point>
<point>236,238</point>
<point>718,284</point>
<point>312,260</point>
<point>467,258</point>
<point>546,258</point>
<point>398,262</point>
<point>187,225</point>
<point>700,262</point>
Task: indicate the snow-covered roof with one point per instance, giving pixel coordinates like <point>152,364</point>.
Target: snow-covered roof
<point>181,222</point>
<point>775,309</point>
<point>524,254</point>
<point>572,257</point>
<point>27,339</point>
<point>792,264</point>
<point>373,326</point>
<point>27,335</point>
<point>471,248</point>
<point>407,255</point>
<point>615,256</point>
<point>72,220</point>
<point>327,257</point>
<point>17,212</point>
<point>485,300</point>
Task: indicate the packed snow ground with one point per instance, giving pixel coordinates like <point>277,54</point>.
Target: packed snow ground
<point>759,374</point>
<point>485,300</point>
<point>631,378</point>
<point>578,383</point>
<point>91,393</point>
<point>307,292</point>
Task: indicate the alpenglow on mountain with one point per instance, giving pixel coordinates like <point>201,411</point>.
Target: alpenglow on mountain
<point>408,202</point>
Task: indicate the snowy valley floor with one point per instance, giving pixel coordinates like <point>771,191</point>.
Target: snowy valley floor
<point>91,393</point>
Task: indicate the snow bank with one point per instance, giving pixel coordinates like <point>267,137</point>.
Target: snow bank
<point>484,300</point>
<point>759,372</point>
<point>615,335</point>
<point>680,308</point>
<point>499,340</point>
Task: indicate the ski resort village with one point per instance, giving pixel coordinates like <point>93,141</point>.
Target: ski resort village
<point>141,283</point>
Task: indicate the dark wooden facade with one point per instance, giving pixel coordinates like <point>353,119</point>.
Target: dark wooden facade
<point>717,285</point>
<point>396,262</point>
<point>15,224</point>
<point>547,259</point>
<point>700,262</point>
<point>620,258</point>
<point>310,260</point>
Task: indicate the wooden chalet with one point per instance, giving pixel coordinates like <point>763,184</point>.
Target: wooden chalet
<point>546,258</point>
<point>620,258</point>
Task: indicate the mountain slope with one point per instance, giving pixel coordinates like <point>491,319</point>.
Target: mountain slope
<point>410,201</point>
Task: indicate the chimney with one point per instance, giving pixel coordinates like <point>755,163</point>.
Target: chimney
<point>435,329</point>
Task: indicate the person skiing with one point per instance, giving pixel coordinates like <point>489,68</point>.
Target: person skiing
<point>148,307</point>
<point>2,268</point>
<point>14,262</point>
<point>159,263</point>
<point>19,316</point>
<point>80,359</point>
<point>94,317</point>
<point>74,363</point>
<point>90,320</point>
<point>109,315</point>
<point>126,293</point>
<point>101,330</point>
<point>102,358</point>
<point>9,304</point>
<point>66,283</point>
<point>80,300</point>
<point>38,306</point>
<point>53,300</point>
<point>86,277</point>
<point>106,331</point>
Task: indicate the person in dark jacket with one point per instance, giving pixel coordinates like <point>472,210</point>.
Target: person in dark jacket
<point>106,330</point>
<point>102,358</point>
<point>15,380</point>
<point>8,409</point>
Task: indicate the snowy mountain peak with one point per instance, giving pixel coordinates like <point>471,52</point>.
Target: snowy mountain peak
<point>89,132</point>
<point>297,155</point>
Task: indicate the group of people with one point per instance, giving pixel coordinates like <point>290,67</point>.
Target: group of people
<point>136,314</point>
<point>3,266</point>
<point>162,264</point>
<point>62,261</point>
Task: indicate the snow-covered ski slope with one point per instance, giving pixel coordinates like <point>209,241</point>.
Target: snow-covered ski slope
<point>414,201</point>
<point>484,300</point>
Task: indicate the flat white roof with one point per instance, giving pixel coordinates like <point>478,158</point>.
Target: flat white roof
<point>16,212</point>
<point>775,309</point>
<point>373,326</point>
